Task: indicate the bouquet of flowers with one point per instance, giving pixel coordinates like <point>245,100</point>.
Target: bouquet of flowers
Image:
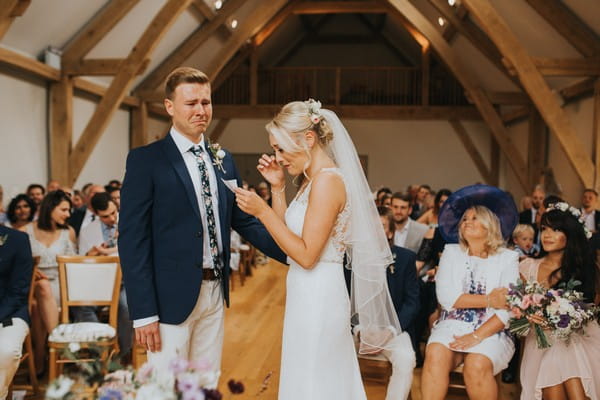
<point>560,312</point>
<point>182,380</point>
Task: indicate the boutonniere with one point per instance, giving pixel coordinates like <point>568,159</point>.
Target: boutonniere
<point>218,155</point>
<point>3,239</point>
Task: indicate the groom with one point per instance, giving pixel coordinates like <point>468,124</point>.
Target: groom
<point>175,221</point>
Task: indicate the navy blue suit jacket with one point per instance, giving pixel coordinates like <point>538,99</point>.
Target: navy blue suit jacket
<point>404,286</point>
<point>16,267</point>
<point>160,232</point>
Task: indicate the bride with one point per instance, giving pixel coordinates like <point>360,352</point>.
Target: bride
<point>332,215</point>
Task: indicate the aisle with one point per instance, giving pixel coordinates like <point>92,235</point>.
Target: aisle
<point>252,349</point>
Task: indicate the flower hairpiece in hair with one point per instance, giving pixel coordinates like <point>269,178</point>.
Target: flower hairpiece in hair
<point>565,207</point>
<point>314,110</point>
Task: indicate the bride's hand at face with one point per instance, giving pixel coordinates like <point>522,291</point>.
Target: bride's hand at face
<point>271,171</point>
<point>249,202</point>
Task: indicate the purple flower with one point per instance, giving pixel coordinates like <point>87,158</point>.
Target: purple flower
<point>235,387</point>
<point>564,321</point>
<point>111,394</point>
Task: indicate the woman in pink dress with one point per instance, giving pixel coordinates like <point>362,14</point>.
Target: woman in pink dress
<point>563,371</point>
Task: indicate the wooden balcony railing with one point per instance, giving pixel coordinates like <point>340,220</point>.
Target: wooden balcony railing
<point>341,86</point>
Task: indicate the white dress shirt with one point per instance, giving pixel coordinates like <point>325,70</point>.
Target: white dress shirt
<point>88,218</point>
<point>590,219</point>
<point>401,235</point>
<point>183,145</point>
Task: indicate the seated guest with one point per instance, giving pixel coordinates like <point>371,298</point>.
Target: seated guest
<point>566,370</point>
<point>590,214</point>
<point>381,193</point>
<point>83,216</point>
<point>430,217</point>
<point>21,211</point>
<point>386,200</point>
<point>408,233</point>
<point>99,238</point>
<point>419,205</point>
<point>530,216</point>
<point>77,199</point>
<point>522,238</point>
<point>115,183</point>
<point>471,287</point>
<point>36,193</point>
<point>115,195</point>
<point>16,266</point>
<point>52,186</point>
<point>404,290</point>
<point>50,236</point>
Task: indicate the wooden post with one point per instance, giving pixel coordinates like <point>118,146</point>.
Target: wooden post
<point>536,148</point>
<point>425,72</point>
<point>494,162</point>
<point>254,77</point>
<point>139,126</point>
<point>9,10</point>
<point>61,131</point>
<point>596,132</point>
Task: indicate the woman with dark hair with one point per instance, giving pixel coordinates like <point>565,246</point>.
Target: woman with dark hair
<point>21,211</point>
<point>430,217</point>
<point>50,236</point>
<point>563,371</point>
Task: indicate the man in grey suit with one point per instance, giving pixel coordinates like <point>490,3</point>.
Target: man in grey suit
<point>409,233</point>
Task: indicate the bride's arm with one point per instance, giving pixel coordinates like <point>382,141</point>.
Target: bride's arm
<point>273,173</point>
<point>327,198</point>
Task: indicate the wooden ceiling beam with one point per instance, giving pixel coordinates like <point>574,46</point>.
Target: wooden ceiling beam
<point>562,66</point>
<point>508,98</point>
<point>486,108</point>
<point>471,149</point>
<point>249,27</point>
<point>98,67</point>
<point>203,13</point>
<point>99,91</point>
<point>578,89</point>
<point>355,112</point>
<point>120,84</point>
<point>274,23</point>
<point>569,25</point>
<point>95,29</point>
<point>538,90</point>
<point>9,10</point>
<point>340,7</point>
<point>516,115</point>
<point>188,47</point>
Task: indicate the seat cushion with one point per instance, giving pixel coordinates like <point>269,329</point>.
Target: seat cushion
<point>81,332</point>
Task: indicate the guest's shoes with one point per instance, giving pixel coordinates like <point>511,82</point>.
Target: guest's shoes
<point>508,376</point>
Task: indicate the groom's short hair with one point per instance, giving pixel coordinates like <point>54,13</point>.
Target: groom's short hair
<point>184,75</point>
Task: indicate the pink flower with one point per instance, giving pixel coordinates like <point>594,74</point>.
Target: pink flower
<point>537,299</point>
<point>526,302</point>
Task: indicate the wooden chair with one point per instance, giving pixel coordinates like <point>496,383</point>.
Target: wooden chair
<point>85,281</point>
<point>375,368</point>
<point>27,354</point>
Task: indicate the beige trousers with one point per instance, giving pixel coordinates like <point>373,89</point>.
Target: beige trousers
<point>11,348</point>
<point>199,337</point>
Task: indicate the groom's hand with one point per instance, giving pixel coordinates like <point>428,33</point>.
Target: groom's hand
<point>148,336</point>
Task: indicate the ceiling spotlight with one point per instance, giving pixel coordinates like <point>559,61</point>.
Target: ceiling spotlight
<point>441,21</point>
<point>234,23</point>
<point>218,4</point>
<point>452,2</point>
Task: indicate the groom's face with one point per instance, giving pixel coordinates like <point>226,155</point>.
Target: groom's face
<point>190,109</point>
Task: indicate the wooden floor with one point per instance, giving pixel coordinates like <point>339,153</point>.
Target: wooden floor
<point>252,349</point>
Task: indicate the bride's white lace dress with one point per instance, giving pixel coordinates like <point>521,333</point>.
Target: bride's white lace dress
<point>318,359</point>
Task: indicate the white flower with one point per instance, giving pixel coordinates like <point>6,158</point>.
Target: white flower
<point>59,388</point>
<point>314,118</point>
<point>220,154</point>
<point>154,391</point>
<point>74,347</point>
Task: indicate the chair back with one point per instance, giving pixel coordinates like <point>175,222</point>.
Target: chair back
<point>89,281</point>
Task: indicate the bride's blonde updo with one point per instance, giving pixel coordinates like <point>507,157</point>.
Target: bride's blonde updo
<point>294,120</point>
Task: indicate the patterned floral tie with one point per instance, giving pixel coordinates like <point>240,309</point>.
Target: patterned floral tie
<point>208,205</point>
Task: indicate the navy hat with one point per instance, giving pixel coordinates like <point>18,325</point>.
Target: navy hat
<point>497,201</point>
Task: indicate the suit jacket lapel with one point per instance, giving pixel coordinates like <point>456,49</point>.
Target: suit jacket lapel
<point>176,160</point>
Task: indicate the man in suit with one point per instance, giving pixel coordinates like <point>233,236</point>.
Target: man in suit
<point>589,213</point>
<point>404,290</point>
<point>174,241</point>
<point>530,216</point>
<point>16,267</point>
<point>82,217</point>
<point>408,233</point>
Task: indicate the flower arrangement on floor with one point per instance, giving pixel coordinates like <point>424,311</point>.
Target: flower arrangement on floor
<point>182,380</point>
<point>560,312</point>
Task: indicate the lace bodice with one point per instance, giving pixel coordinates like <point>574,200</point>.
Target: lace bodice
<point>336,245</point>
<point>61,247</point>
